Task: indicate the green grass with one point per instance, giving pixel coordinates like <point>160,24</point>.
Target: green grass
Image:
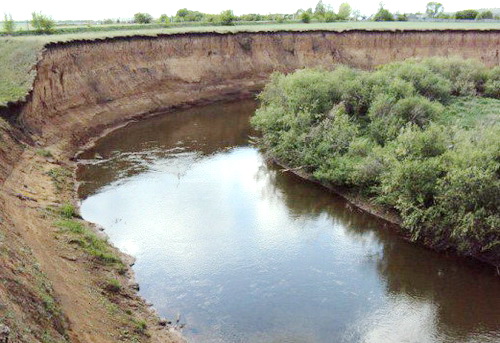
<point>471,112</point>
<point>94,245</point>
<point>43,153</point>
<point>113,286</point>
<point>19,54</point>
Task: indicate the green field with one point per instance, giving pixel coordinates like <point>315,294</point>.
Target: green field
<point>19,54</point>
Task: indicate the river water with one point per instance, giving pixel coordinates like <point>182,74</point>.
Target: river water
<point>244,252</point>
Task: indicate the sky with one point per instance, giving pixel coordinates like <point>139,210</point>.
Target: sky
<point>103,9</point>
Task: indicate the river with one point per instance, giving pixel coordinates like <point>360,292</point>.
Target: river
<point>245,252</point>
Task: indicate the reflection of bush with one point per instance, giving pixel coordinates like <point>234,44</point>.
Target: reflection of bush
<point>462,306</point>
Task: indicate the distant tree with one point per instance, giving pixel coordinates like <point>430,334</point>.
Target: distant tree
<point>320,10</point>
<point>305,17</point>
<point>383,15</point>
<point>107,21</point>
<point>143,18</point>
<point>42,23</point>
<point>164,19</point>
<point>8,24</point>
<point>433,9</point>
<point>187,15</point>
<point>356,14</point>
<point>485,15</point>
<point>182,13</point>
<point>444,16</point>
<point>466,14</point>
<point>226,17</point>
<point>330,16</point>
<point>401,17</point>
<point>344,11</point>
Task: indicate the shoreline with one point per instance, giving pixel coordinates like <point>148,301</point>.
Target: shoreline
<point>390,216</point>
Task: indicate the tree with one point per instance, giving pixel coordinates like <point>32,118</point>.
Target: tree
<point>344,11</point>
<point>383,15</point>
<point>466,14</point>
<point>305,17</point>
<point>401,17</point>
<point>485,15</point>
<point>226,17</point>
<point>164,19</point>
<point>182,13</point>
<point>42,23</point>
<point>434,9</point>
<point>8,24</point>
<point>143,18</point>
<point>330,16</point>
<point>320,10</point>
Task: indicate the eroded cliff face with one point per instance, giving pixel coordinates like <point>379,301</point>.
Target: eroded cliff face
<point>81,86</point>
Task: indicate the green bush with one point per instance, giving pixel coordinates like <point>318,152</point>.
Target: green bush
<point>67,211</point>
<point>485,15</point>
<point>226,17</point>
<point>8,24</point>
<point>305,17</point>
<point>492,85</point>
<point>415,136</point>
<point>466,14</point>
<point>42,23</point>
<point>467,76</point>
<point>383,15</point>
<point>143,18</point>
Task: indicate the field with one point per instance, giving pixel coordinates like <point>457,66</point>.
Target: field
<point>19,54</point>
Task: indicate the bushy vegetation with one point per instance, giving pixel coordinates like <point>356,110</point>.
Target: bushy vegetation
<point>8,24</point>
<point>417,136</point>
<point>143,18</point>
<point>42,23</point>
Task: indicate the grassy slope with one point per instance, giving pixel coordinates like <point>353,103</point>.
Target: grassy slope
<point>18,55</point>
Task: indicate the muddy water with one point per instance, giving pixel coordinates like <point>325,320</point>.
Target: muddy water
<point>247,253</point>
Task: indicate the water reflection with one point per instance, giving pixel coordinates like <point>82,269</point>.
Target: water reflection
<point>247,253</point>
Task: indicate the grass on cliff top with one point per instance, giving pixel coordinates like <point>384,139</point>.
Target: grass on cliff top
<point>18,55</point>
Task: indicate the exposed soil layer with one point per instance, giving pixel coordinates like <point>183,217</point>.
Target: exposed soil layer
<point>84,88</point>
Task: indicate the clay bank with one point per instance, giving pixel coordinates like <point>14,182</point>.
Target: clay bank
<point>83,89</point>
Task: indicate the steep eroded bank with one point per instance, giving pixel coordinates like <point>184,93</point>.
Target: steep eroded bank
<point>83,88</point>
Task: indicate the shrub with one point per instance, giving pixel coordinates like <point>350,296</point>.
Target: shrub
<point>8,24</point>
<point>164,19</point>
<point>305,17</point>
<point>426,82</point>
<point>492,85</point>
<point>226,17</point>
<point>67,211</point>
<point>466,14</point>
<point>467,77</point>
<point>143,18</point>
<point>383,15</point>
<point>42,23</point>
<point>484,15</point>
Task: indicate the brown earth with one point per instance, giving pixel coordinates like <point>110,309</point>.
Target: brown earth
<point>50,286</point>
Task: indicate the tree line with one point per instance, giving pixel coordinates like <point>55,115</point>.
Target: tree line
<point>321,13</point>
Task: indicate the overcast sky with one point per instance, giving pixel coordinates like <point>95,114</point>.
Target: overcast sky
<point>102,9</point>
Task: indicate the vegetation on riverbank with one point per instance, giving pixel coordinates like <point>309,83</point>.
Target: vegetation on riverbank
<point>419,136</point>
